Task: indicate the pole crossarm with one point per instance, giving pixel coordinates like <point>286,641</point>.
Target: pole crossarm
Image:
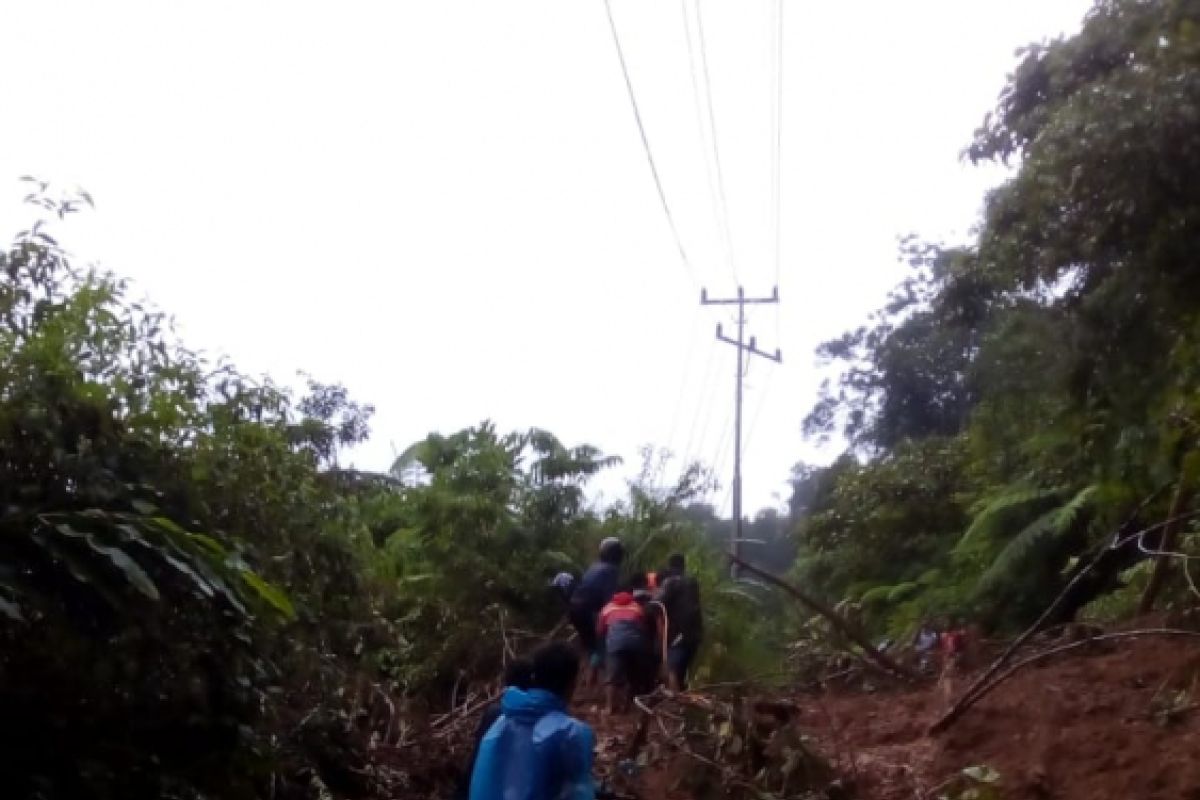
<point>741,299</point>
<point>750,347</point>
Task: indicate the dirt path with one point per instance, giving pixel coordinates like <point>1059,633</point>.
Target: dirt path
<point>1091,726</point>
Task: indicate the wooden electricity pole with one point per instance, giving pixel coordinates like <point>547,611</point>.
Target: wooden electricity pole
<point>743,348</point>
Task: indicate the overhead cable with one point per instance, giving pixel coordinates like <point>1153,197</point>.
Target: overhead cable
<point>777,144</point>
<point>637,115</point>
<point>716,146</point>
<point>703,404</point>
<point>683,384</point>
<point>777,134</point>
<point>706,147</point>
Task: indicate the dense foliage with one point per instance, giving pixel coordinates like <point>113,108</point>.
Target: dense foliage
<point>197,600</point>
<point>1018,399</point>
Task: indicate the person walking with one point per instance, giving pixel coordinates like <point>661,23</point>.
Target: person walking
<point>535,750</point>
<point>685,620</point>
<point>594,590</point>
<point>626,629</point>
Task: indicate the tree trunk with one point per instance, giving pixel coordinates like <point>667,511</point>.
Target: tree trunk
<point>846,628</point>
<point>1166,544</point>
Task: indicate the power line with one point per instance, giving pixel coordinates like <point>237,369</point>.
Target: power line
<point>762,398</point>
<point>721,454</point>
<point>704,405</point>
<point>637,115</point>
<point>725,499</point>
<point>777,133</point>
<point>705,137</point>
<point>716,147</point>
<point>687,369</point>
<point>777,144</point>
<point>722,457</point>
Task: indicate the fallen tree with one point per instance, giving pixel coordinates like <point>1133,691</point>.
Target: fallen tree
<point>851,631</point>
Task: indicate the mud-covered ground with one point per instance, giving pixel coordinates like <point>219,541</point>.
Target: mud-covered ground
<point>1108,721</point>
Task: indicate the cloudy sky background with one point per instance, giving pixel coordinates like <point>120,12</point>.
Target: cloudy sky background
<point>446,206</point>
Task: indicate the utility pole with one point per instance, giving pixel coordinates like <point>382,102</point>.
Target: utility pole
<point>743,348</point>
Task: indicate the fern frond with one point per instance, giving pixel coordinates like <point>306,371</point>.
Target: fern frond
<point>903,591</point>
<point>931,577</point>
<point>877,595</point>
<point>890,594</point>
<point>739,594</point>
<point>1037,542</point>
<point>996,520</point>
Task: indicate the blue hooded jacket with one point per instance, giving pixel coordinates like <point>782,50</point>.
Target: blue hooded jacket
<point>534,751</point>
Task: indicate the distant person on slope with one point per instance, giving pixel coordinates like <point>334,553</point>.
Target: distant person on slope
<point>685,620</point>
<point>953,646</point>
<point>535,750</point>
<point>925,643</point>
<point>593,592</point>
<point>519,675</point>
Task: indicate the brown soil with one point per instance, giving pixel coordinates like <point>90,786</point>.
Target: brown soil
<point>1081,727</point>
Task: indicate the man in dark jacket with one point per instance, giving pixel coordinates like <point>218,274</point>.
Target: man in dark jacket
<point>593,592</point>
<point>685,621</point>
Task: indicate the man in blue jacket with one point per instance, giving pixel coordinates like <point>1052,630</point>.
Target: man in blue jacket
<point>519,673</point>
<point>535,750</point>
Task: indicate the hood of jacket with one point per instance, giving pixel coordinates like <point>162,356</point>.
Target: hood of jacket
<point>529,705</point>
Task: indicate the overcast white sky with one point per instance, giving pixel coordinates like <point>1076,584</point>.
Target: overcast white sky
<point>444,204</point>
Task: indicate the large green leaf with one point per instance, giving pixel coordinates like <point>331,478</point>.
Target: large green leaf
<point>211,545</point>
<point>271,594</point>
<point>132,571</point>
<point>179,560</point>
<point>78,566</point>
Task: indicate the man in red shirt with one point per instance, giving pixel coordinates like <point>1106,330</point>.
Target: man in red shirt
<point>953,644</point>
<point>627,633</point>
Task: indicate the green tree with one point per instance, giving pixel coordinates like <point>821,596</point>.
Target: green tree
<point>1054,354</point>
<point>133,637</point>
<point>909,375</point>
